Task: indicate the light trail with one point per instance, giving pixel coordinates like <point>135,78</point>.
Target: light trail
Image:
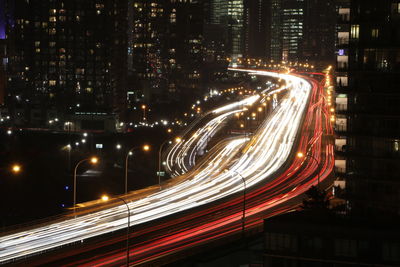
<point>263,155</point>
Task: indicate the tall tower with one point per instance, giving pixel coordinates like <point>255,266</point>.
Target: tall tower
<point>226,24</point>
<point>257,29</point>
<point>147,38</point>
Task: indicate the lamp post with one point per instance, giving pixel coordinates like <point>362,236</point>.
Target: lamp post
<point>106,198</point>
<point>177,140</point>
<point>301,155</point>
<point>144,112</point>
<point>92,160</point>
<point>145,148</point>
<point>244,201</point>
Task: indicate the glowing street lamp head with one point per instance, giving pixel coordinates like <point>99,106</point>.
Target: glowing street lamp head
<point>143,106</point>
<point>16,168</point>
<point>146,147</point>
<point>300,155</point>
<point>105,198</point>
<point>178,139</point>
<point>94,160</point>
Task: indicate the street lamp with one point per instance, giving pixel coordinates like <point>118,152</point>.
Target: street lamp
<point>16,168</point>
<point>177,140</point>
<point>244,200</point>
<point>144,112</point>
<point>106,198</point>
<point>92,160</point>
<point>301,155</point>
<point>145,148</point>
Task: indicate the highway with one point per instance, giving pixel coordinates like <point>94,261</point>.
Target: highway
<point>218,177</point>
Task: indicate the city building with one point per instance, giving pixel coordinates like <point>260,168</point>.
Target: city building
<point>323,239</point>
<point>367,110</point>
<point>287,24</point>
<point>4,21</point>
<point>185,47</point>
<point>225,25</point>
<point>302,31</point>
<point>318,43</point>
<point>147,35</point>
<point>67,55</point>
<point>257,29</point>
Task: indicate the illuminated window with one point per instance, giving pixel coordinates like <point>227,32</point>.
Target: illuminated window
<point>52,19</point>
<point>375,33</point>
<point>52,82</point>
<point>355,31</point>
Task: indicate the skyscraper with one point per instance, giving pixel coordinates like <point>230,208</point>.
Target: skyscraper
<point>302,30</point>
<point>287,27</point>
<point>367,109</point>
<point>226,24</point>
<point>185,45</point>
<point>147,43</point>
<point>257,28</point>
<point>318,43</point>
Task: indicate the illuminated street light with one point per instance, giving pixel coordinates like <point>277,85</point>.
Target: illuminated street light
<point>106,198</point>
<point>130,152</point>
<point>92,160</point>
<point>177,140</point>
<point>144,111</point>
<point>16,168</point>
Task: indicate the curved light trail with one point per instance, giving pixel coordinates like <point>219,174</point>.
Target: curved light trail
<point>214,179</point>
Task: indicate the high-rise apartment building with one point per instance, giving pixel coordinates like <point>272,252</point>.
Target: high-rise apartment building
<point>147,35</point>
<point>367,104</point>
<point>185,45</point>
<point>5,21</point>
<point>68,55</point>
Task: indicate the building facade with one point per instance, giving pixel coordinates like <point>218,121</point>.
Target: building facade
<point>225,25</point>
<point>68,56</point>
<point>302,30</point>
<point>367,109</point>
<point>257,30</point>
